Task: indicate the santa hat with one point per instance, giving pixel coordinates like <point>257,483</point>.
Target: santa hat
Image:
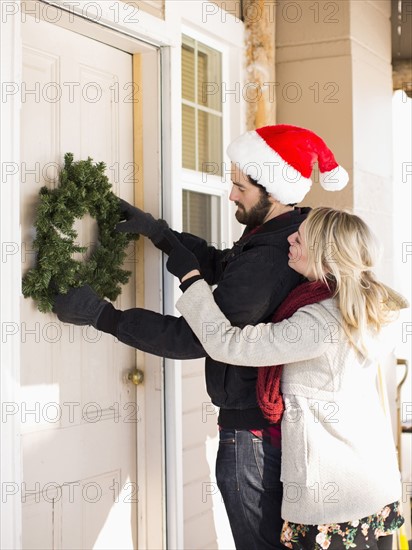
<point>281,159</point>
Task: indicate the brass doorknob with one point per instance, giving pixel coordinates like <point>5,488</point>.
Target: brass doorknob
<point>136,376</point>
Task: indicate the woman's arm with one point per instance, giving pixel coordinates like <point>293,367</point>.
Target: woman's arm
<point>306,335</point>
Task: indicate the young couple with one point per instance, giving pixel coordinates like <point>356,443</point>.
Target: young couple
<point>306,458</point>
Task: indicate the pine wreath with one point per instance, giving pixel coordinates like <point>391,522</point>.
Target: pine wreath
<point>83,188</point>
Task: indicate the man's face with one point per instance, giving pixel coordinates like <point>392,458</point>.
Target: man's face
<point>252,203</point>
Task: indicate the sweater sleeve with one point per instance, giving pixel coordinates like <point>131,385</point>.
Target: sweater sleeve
<point>306,335</point>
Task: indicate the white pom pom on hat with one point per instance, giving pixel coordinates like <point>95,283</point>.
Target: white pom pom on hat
<point>281,159</point>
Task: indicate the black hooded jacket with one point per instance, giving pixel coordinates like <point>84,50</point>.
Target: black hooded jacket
<point>252,278</point>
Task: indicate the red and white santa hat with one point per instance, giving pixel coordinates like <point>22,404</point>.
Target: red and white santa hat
<point>281,158</point>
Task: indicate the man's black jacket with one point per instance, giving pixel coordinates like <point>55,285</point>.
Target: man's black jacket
<point>252,279</point>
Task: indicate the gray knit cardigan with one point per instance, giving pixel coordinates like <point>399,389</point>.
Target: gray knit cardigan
<point>338,455</point>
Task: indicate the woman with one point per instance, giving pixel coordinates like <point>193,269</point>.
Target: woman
<point>339,469</point>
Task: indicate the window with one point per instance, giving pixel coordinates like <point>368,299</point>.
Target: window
<point>202,106</point>
<point>202,137</point>
<point>201,215</point>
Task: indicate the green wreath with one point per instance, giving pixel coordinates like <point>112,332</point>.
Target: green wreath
<point>83,188</point>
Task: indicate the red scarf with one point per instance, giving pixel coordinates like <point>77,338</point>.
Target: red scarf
<point>268,383</point>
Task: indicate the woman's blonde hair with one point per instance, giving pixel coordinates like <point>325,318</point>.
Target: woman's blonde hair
<point>342,252</point>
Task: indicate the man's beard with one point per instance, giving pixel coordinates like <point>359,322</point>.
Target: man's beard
<point>256,214</point>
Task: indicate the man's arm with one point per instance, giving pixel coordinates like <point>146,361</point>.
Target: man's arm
<point>210,258</point>
<point>136,220</point>
<point>250,290</point>
<point>161,335</point>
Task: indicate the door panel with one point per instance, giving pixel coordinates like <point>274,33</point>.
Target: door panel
<point>79,411</point>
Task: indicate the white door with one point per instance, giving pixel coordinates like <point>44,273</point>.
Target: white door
<point>78,410</point>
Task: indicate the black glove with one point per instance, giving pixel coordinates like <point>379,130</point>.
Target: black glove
<point>137,221</point>
<point>181,260</point>
<point>80,306</point>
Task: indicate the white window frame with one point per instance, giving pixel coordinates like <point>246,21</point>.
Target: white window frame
<point>226,34</point>
<point>219,186</point>
<point>193,180</point>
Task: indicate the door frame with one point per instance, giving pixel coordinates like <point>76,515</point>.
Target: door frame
<point>149,37</point>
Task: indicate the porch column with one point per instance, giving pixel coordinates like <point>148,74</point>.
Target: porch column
<point>334,76</point>
<point>259,88</point>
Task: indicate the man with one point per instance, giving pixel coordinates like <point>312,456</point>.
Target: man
<point>271,168</point>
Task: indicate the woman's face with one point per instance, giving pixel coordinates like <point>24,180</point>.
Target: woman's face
<point>298,253</point>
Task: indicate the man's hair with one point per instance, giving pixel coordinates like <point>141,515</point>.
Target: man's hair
<point>263,189</point>
<point>256,184</point>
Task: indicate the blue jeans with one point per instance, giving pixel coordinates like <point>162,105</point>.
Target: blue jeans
<point>248,477</point>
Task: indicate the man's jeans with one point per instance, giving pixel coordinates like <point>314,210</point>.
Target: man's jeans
<point>248,477</point>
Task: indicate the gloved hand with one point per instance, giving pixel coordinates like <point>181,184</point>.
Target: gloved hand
<point>140,222</point>
<point>181,260</point>
<point>80,306</point>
